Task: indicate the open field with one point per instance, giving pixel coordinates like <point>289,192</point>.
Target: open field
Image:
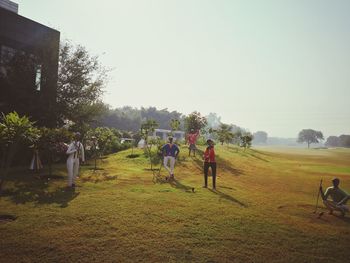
<point>261,211</point>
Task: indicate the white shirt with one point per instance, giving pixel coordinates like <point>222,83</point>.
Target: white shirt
<point>76,150</point>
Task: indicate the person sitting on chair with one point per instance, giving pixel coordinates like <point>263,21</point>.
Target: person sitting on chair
<point>338,196</point>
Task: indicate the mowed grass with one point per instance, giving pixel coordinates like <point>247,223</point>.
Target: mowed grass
<point>262,211</point>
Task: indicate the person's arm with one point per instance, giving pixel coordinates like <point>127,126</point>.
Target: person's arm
<point>177,151</point>
<point>163,150</point>
<point>325,195</point>
<point>206,154</point>
<point>345,199</point>
<point>82,152</point>
<point>71,149</point>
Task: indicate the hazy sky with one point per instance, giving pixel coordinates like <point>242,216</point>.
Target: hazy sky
<point>278,66</point>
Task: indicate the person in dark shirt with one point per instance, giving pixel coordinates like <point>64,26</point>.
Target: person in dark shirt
<point>170,153</point>
<point>338,198</point>
<point>209,161</point>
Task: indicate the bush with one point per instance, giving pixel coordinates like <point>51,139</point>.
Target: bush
<point>53,143</point>
<point>14,132</point>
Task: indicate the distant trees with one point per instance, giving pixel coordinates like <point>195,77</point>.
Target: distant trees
<point>341,141</point>
<point>309,136</point>
<point>260,137</point>
<point>129,118</point>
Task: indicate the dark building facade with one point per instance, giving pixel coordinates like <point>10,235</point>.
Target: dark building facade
<point>28,67</point>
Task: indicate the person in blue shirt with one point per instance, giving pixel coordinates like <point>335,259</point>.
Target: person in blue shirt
<point>170,152</point>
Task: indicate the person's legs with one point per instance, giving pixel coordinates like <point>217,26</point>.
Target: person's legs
<point>193,146</point>
<point>172,166</point>
<point>330,205</point>
<point>75,169</point>
<point>343,209</point>
<point>70,171</point>
<point>213,174</point>
<point>206,169</point>
<point>165,163</point>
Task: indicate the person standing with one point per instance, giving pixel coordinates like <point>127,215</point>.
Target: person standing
<point>75,152</point>
<point>209,161</point>
<point>192,140</point>
<point>170,153</point>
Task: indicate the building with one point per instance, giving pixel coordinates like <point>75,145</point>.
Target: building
<point>28,66</point>
<point>9,5</point>
<point>164,134</point>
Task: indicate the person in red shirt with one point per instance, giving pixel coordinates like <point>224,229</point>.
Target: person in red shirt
<point>209,161</point>
<point>192,139</point>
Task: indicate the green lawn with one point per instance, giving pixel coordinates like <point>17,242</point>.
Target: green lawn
<point>261,211</point>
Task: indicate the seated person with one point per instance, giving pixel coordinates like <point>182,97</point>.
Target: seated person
<point>338,198</point>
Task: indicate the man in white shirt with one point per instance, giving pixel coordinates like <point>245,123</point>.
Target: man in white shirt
<point>75,152</point>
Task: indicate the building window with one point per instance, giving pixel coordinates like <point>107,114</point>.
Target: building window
<point>38,78</point>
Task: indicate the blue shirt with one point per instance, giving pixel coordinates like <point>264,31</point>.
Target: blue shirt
<point>172,150</point>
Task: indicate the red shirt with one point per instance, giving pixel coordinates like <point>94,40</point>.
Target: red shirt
<point>192,137</point>
<point>209,155</point>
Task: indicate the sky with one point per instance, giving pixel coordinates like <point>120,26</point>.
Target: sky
<point>274,65</point>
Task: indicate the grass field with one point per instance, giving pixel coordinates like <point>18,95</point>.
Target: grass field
<point>262,211</point>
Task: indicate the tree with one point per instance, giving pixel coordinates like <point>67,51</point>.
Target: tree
<point>237,137</point>
<point>81,80</point>
<point>344,140</point>
<point>246,140</point>
<point>14,132</point>
<point>100,141</point>
<point>146,128</point>
<point>260,137</point>
<point>333,141</point>
<point>341,141</point>
<point>175,124</point>
<point>224,133</point>
<point>309,136</point>
<point>195,121</point>
<point>52,143</point>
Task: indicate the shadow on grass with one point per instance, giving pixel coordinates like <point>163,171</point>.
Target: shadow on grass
<point>23,194</point>
<point>221,164</point>
<point>31,188</point>
<point>227,197</point>
<point>175,183</point>
<point>249,153</point>
<point>345,219</point>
